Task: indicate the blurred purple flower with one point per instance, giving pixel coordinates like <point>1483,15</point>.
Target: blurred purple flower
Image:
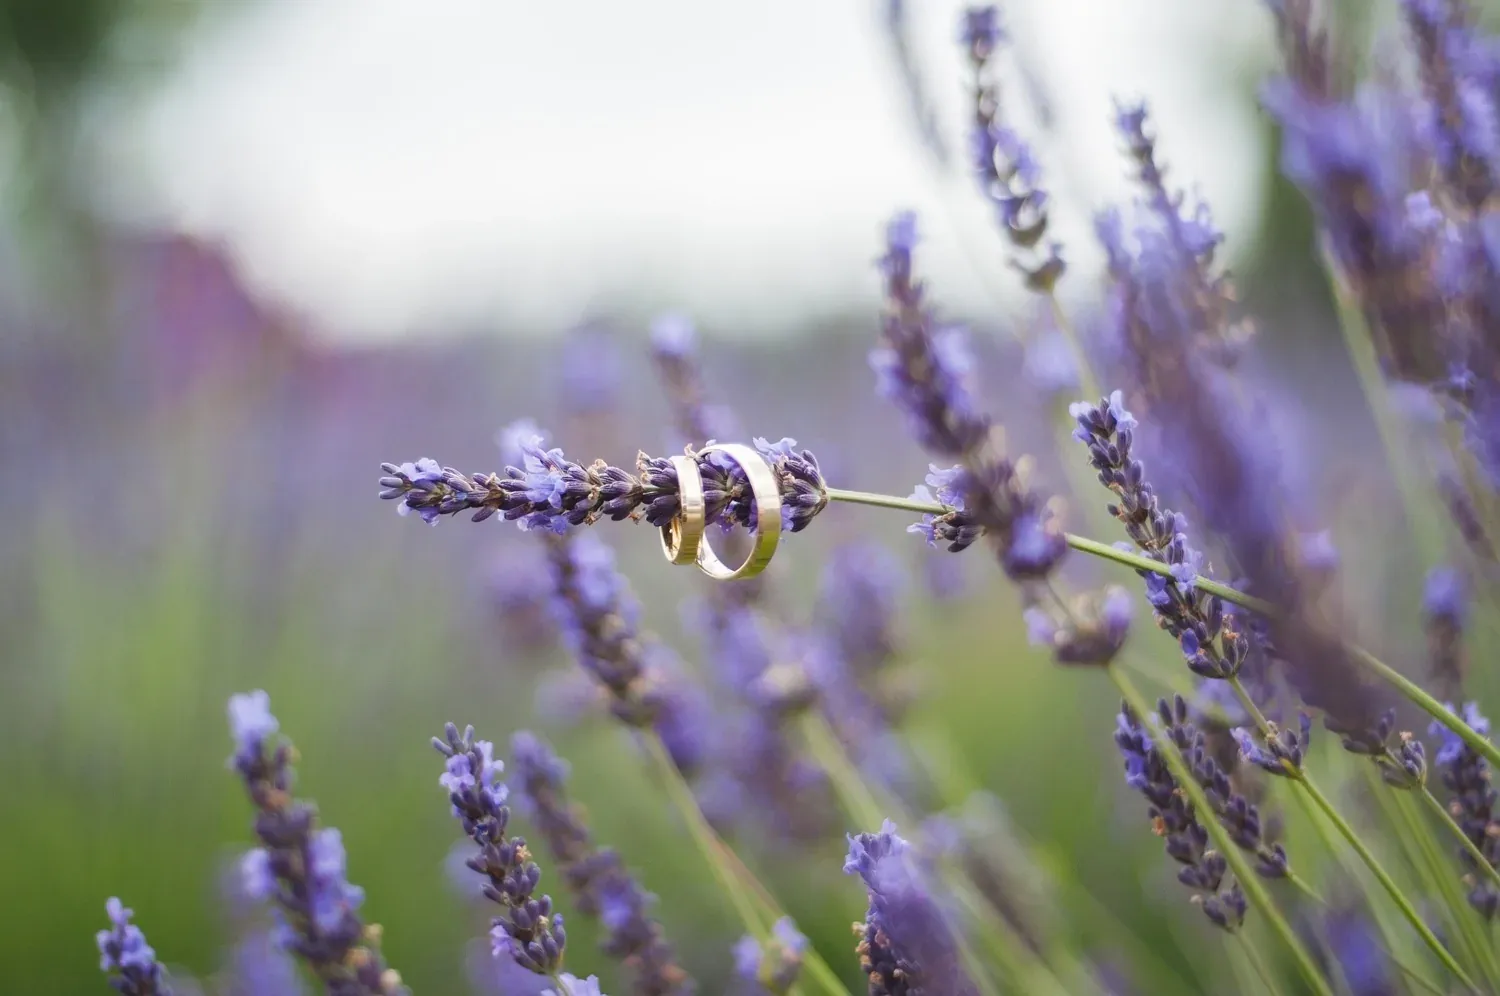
<point>906,940</point>
<point>601,885</point>
<point>1466,774</point>
<point>126,958</point>
<point>301,867</point>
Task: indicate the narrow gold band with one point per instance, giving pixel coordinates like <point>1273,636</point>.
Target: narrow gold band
<point>767,496</point>
<point>681,537</point>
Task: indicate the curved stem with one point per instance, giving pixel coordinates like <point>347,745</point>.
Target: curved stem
<point>1254,890</point>
<point>704,836</point>
<point>1256,963</point>
<point>730,872</point>
<point>1029,971</point>
<point>1472,848</point>
<point>1083,544</point>
<point>1305,784</point>
<point>860,804</point>
<point>1392,889</point>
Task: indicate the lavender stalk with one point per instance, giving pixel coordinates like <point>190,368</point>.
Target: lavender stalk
<point>126,958</point>
<point>300,867</point>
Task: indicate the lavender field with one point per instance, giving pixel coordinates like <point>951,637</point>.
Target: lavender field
<point>1129,624</point>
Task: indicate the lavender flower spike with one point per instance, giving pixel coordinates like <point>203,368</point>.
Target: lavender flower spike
<point>1235,812</point>
<point>1445,612</point>
<point>126,958</point>
<point>923,370</point>
<point>599,617</point>
<point>1211,641</point>
<point>300,867</point>
<point>1004,165</point>
<point>601,885</point>
<point>1203,870</point>
<point>550,492</point>
<point>906,944</point>
<point>1466,774</point>
<point>527,930</point>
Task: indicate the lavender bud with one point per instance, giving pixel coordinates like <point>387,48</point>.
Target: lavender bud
<point>550,493</point>
<point>1283,751</point>
<point>526,930</point>
<point>126,958</point>
<point>299,866</point>
<point>1445,612</point>
<point>600,884</point>
<point>1173,818</point>
<point>1466,774</point>
<point>907,944</point>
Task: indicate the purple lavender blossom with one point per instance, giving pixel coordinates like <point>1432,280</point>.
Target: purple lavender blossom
<point>1462,121</point>
<point>126,958</point>
<point>1283,751</point>
<point>1235,812</point>
<point>1004,164</point>
<point>1444,612</point>
<point>1404,767</point>
<point>599,617</point>
<point>518,597</point>
<point>674,347</point>
<point>300,867</point>
<point>526,930</point>
<point>859,604</point>
<point>906,940</point>
<point>923,371</point>
<point>1354,942</point>
<point>259,967</point>
<point>1352,160</point>
<point>923,115</point>
<point>1212,644</point>
<point>549,492</point>
<point>772,969</point>
<point>1173,818</point>
<point>1090,633</point>
<point>1466,774</point>
<point>591,369</point>
<point>1202,297</point>
<point>602,887</point>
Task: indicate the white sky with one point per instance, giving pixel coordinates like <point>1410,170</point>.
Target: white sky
<point>400,166</point>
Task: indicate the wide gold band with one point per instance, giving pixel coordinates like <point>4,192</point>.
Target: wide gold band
<point>767,496</point>
<point>680,538</point>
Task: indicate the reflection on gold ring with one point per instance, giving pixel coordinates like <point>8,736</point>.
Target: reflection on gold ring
<point>767,497</point>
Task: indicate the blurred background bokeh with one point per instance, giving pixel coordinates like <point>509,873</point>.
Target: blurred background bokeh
<point>249,250</point>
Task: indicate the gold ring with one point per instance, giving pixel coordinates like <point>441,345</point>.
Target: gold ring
<point>767,495</point>
<point>680,537</point>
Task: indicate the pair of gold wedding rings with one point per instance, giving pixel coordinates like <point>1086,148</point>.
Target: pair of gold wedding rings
<point>683,540</point>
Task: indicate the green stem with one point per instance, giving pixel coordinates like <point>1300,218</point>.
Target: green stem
<point>1362,657</point>
<point>731,872</point>
<point>1428,865</point>
<point>1425,702</point>
<point>1446,818</point>
<point>1256,963</point>
<point>1248,881</point>
<point>1305,784</point>
<point>1392,889</point>
<point>1423,506</point>
<point>705,838</point>
<point>860,804</point>
<point>1075,346</point>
